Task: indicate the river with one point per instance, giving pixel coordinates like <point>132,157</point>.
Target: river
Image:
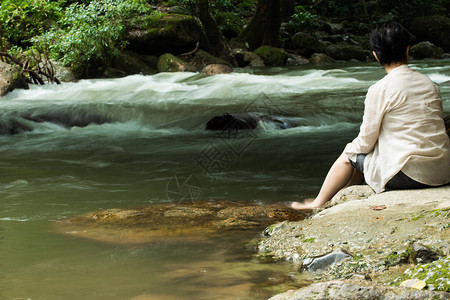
<point>153,137</point>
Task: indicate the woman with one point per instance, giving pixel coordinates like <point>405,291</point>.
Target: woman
<point>402,143</point>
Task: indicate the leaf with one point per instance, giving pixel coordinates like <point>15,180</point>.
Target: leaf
<point>377,207</point>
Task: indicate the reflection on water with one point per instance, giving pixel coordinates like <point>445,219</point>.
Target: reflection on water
<point>154,132</point>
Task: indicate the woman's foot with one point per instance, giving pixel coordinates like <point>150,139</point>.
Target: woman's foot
<point>307,204</point>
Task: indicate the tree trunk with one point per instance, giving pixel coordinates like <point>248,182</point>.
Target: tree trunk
<point>213,34</point>
<point>264,27</point>
<point>287,9</point>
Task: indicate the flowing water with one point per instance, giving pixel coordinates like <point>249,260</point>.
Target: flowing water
<point>152,134</point>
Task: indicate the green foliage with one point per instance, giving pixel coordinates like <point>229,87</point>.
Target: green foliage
<point>22,19</point>
<point>303,18</point>
<point>229,24</point>
<point>89,36</point>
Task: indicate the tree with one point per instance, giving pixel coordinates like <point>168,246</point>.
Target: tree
<point>264,27</point>
<point>213,34</point>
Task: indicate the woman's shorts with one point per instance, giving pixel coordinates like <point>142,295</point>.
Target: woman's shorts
<point>399,182</point>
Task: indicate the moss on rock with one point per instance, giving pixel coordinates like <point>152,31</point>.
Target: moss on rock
<point>170,63</point>
<point>272,56</point>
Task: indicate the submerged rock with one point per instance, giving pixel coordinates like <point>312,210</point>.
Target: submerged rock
<point>232,122</point>
<point>173,222</point>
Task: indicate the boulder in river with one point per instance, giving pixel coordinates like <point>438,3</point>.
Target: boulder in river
<point>10,79</point>
<point>321,59</point>
<point>232,122</point>
<point>426,50</point>
<point>347,52</point>
<point>170,63</point>
<point>272,56</point>
<point>215,69</point>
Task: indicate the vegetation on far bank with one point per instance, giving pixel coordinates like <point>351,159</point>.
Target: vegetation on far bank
<point>87,35</point>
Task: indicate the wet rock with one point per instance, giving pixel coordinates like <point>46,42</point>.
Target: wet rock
<point>170,63</point>
<point>232,122</point>
<point>432,28</point>
<point>190,221</point>
<point>201,59</point>
<point>13,126</point>
<point>64,74</point>
<point>346,52</point>
<point>324,261</point>
<point>296,60</point>
<point>156,35</point>
<point>421,254</point>
<point>130,63</point>
<point>10,79</point>
<point>321,59</point>
<point>426,50</point>
<point>307,44</point>
<point>272,56</point>
<point>351,291</point>
<point>215,69</point>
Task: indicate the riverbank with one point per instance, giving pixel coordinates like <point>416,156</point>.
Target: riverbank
<point>388,238</point>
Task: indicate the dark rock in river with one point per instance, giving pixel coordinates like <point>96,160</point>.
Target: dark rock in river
<point>201,59</point>
<point>232,122</point>
<point>10,79</point>
<point>188,221</point>
<point>131,63</point>
<point>426,50</point>
<point>215,69</point>
<point>347,52</point>
<point>321,59</point>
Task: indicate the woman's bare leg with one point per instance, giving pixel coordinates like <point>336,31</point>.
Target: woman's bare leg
<point>340,175</point>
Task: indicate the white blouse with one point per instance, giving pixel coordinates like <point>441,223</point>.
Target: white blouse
<point>403,129</point>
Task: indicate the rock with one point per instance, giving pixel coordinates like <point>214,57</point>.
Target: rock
<point>321,59</point>
<point>414,284</point>
<point>170,63</point>
<point>354,192</point>
<point>346,52</point>
<point>296,60</point>
<point>201,59</point>
<point>247,58</point>
<point>111,72</point>
<point>156,35</point>
<point>130,63</point>
<point>272,56</point>
<point>432,28</point>
<point>64,74</point>
<point>352,291</point>
<point>183,221</point>
<point>324,261</point>
<point>215,69</point>
<point>426,50</point>
<point>421,254</point>
<point>10,79</point>
<point>231,122</point>
<point>307,44</point>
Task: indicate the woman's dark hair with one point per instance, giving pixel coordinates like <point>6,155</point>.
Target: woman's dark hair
<point>390,41</point>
